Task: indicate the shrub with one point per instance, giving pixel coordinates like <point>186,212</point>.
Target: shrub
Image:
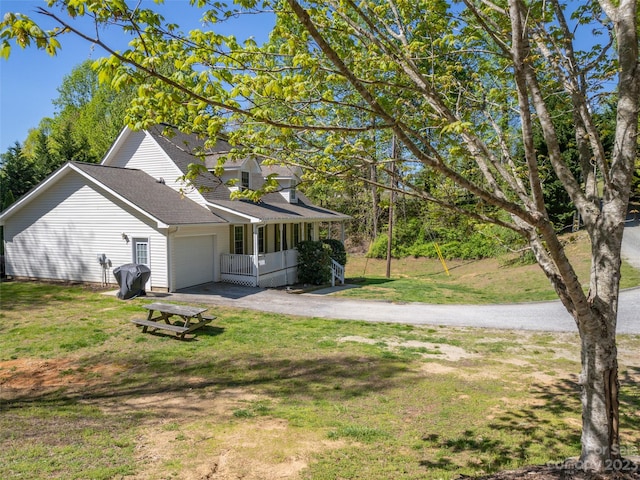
<point>338,252</point>
<point>378,248</point>
<point>314,262</point>
<point>482,241</point>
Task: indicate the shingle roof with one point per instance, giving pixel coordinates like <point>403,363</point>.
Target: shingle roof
<point>274,207</point>
<point>158,200</point>
<point>184,149</point>
<point>278,170</point>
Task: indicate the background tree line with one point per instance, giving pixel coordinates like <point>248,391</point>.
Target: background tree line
<point>418,225</point>
<point>88,117</point>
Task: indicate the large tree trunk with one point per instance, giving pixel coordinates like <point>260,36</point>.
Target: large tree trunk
<point>599,375</point>
<point>596,317</point>
<point>599,395</point>
<point>596,313</point>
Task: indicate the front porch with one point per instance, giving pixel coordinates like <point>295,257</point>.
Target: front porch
<point>262,270</point>
<point>262,258</point>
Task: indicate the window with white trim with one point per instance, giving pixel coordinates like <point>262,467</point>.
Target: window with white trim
<point>245,180</point>
<point>296,234</point>
<point>261,248</point>
<point>141,251</point>
<point>285,243</point>
<point>276,238</point>
<point>238,240</point>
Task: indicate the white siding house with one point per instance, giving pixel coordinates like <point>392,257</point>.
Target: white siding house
<point>60,236</point>
<point>134,209</point>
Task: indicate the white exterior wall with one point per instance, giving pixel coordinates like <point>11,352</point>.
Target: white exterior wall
<point>193,260</point>
<point>60,235</point>
<point>140,151</point>
<point>223,244</point>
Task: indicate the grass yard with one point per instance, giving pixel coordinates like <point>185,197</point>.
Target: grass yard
<point>85,395</point>
<point>476,282</point>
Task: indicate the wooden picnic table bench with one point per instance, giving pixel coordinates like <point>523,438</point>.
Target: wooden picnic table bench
<point>191,318</point>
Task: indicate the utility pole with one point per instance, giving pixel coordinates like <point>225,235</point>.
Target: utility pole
<point>392,199</point>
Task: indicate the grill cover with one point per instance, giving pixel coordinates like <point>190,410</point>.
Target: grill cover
<point>132,278</point>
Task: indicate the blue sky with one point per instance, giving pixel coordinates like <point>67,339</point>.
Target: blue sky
<point>30,78</point>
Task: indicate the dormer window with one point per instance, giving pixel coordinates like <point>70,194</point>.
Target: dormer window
<point>292,195</point>
<point>244,181</point>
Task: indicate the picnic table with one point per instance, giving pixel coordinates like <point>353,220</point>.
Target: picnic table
<point>161,314</point>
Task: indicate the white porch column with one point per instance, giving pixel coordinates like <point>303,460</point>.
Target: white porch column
<point>256,264</point>
<point>342,232</point>
<point>283,255</point>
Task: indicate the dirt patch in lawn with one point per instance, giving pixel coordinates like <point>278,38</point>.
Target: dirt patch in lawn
<point>191,434</point>
<point>441,351</point>
<point>213,433</point>
<point>21,377</point>
<point>251,449</point>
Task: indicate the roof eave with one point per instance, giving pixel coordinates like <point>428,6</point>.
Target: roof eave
<point>251,218</point>
<point>199,224</point>
<point>159,223</point>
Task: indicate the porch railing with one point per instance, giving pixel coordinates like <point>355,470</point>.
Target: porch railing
<point>337,271</point>
<point>237,264</point>
<point>267,263</point>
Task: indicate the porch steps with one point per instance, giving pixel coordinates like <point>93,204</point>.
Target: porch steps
<point>337,272</point>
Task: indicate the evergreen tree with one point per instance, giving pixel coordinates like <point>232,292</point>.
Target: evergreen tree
<point>44,158</point>
<point>17,174</point>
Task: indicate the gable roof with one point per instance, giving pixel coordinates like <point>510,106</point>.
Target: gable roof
<point>280,171</point>
<point>136,188</point>
<point>185,149</point>
<point>145,192</point>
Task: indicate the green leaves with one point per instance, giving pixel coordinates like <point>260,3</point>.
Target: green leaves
<point>5,49</point>
<point>23,31</point>
<point>325,94</point>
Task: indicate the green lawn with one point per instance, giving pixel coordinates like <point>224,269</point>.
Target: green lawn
<point>468,282</point>
<point>84,394</point>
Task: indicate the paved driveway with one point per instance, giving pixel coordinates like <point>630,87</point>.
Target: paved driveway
<point>544,316</point>
<point>631,240</point>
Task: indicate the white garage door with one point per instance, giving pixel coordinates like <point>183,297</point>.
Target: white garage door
<point>193,260</point>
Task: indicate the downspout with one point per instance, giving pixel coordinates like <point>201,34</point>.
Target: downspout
<point>171,231</point>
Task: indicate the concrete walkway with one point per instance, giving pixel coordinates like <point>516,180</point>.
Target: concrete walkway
<point>543,316</point>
